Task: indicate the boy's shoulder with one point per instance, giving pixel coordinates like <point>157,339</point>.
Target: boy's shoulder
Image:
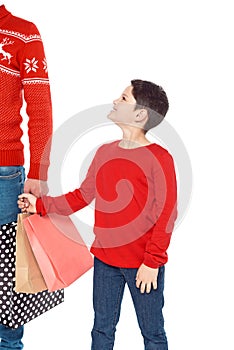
<point>159,150</point>
<point>106,147</point>
<point>163,155</point>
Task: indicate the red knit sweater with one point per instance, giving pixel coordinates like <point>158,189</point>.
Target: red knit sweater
<point>135,204</point>
<point>23,74</point>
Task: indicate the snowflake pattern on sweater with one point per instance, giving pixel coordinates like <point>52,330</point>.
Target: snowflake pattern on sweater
<point>36,64</point>
<point>23,68</point>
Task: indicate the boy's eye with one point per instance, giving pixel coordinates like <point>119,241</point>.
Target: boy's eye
<point>123,98</point>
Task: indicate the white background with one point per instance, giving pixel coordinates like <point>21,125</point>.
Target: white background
<point>94,49</point>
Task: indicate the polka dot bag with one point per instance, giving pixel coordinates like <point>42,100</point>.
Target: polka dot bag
<point>16,309</point>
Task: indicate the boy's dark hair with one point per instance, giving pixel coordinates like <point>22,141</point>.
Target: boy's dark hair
<point>151,97</point>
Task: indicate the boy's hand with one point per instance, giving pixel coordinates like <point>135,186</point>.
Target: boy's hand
<point>27,203</point>
<point>146,278</point>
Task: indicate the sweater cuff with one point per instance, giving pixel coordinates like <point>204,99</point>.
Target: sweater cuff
<point>40,209</point>
<point>153,262</point>
<point>38,171</point>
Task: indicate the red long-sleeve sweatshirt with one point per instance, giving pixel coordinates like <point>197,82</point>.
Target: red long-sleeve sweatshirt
<point>23,76</point>
<point>135,204</point>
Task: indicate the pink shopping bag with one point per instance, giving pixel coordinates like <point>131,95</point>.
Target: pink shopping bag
<point>60,251</point>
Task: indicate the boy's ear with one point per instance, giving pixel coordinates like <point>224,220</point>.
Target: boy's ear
<point>141,116</point>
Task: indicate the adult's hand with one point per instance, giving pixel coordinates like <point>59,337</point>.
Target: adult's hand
<point>36,187</point>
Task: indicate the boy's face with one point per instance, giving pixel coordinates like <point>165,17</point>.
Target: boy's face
<point>123,111</point>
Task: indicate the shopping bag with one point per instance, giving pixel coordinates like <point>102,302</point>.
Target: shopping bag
<point>28,276</point>
<point>59,249</point>
<point>17,309</point>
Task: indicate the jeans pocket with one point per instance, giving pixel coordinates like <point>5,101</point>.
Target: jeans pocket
<point>11,176</point>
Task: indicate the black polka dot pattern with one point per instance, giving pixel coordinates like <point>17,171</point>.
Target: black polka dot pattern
<point>16,309</point>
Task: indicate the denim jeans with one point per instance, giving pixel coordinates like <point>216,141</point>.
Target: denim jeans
<point>109,283</point>
<point>11,185</point>
<point>11,338</point>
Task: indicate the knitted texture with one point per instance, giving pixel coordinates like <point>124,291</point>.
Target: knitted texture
<point>135,194</point>
<point>24,76</point>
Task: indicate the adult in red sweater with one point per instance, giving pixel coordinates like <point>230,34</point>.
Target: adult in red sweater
<point>23,77</point>
<point>133,183</point>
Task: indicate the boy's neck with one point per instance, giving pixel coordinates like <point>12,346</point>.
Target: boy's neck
<point>133,139</point>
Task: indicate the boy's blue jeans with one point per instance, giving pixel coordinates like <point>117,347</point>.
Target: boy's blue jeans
<point>11,185</point>
<point>109,283</point>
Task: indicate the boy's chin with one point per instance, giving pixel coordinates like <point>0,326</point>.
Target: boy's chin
<point>111,116</point>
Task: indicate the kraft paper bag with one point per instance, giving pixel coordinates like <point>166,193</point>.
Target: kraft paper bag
<point>28,276</point>
<point>59,249</point>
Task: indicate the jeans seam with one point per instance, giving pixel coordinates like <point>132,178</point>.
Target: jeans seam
<point>118,303</point>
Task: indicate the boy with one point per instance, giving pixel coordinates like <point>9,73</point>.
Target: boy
<point>133,183</point>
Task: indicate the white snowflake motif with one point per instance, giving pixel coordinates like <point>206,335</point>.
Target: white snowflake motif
<point>31,65</point>
<point>45,65</point>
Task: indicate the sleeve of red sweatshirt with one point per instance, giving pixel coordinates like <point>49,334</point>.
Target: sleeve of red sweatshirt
<point>72,201</point>
<point>166,202</point>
